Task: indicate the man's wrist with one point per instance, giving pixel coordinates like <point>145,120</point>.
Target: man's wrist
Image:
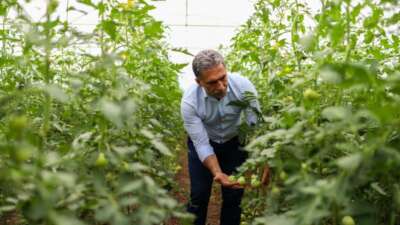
<point>211,162</point>
<point>217,173</point>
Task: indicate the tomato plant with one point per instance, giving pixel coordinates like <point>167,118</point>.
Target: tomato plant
<point>88,121</point>
<point>328,87</point>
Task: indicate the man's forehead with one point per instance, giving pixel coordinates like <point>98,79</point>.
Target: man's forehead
<point>214,73</point>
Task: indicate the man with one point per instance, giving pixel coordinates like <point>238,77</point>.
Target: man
<point>212,125</point>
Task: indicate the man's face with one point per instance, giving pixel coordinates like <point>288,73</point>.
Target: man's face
<point>214,81</point>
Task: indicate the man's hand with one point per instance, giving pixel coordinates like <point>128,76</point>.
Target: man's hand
<point>223,179</point>
<point>211,162</point>
<point>266,176</point>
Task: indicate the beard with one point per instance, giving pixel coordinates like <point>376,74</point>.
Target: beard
<point>219,94</point>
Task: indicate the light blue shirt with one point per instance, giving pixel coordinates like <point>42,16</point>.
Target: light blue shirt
<point>206,117</point>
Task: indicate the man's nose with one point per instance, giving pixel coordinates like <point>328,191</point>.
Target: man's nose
<point>220,85</point>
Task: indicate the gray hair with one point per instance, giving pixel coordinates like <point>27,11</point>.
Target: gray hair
<point>205,60</point>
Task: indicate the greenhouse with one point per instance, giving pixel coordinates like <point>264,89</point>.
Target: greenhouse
<point>180,112</point>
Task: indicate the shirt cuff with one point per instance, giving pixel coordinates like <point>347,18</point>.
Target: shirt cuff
<point>252,120</point>
<point>204,151</point>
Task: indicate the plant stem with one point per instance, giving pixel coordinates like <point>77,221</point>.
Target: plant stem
<point>47,45</point>
<point>293,33</point>
<point>48,77</point>
<point>102,33</point>
<point>4,52</point>
<point>4,34</point>
<point>348,32</point>
<point>320,19</point>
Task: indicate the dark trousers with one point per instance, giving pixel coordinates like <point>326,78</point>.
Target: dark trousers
<point>230,156</point>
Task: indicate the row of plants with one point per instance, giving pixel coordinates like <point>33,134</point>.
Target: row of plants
<point>328,84</point>
<point>88,120</point>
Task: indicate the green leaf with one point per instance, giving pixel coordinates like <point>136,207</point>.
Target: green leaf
<point>148,134</point>
<point>52,6</point>
<point>180,66</point>
<point>330,76</point>
<point>153,29</point>
<point>138,167</point>
<point>352,74</point>
<point>72,8</point>
<point>238,103</point>
<point>268,152</point>
<point>110,28</point>
<point>337,34</point>
<point>368,37</point>
<point>3,9</point>
<point>276,220</point>
<point>355,12</point>
<point>376,187</point>
<point>350,162</point>
<point>7,208</point>
<point>161,147</point>
<point>111,111</point>
<point>373,20</point>
<point>57,93</point>
<point>87,2</point>
<point>395,19</point>
<point>182,50</point>
<point>101,7</point>
<point>336,113</point>
<point>83,138</point>
<point>131,187</point>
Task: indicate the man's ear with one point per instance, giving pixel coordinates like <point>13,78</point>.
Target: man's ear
<point>198,81</point>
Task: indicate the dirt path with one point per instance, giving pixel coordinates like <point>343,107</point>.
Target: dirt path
<point>182,193</point>
<point>10,218</point>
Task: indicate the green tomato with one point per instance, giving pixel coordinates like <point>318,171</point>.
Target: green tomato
<point>275,191</point>
<point>16,175</point>
<point>283,175</point>
<point>125,166</point>
<point>304,166</point>
<point>177,168</point>
<point>241,180</point>
<point>310,94</point>
<point>101,160</point>
<point>110,176</point>
<point>348,220</point>
<point>18,123</point>
<point>232,178</point>
<point>288,99</point>
<point>287,69</point>
<point>255,183</point>
<point>23,154</point>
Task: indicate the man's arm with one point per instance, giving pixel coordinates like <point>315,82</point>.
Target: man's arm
<point>195,128</point>
<point>211,162</point>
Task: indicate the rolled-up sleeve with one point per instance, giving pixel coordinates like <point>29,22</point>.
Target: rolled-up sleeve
<point>251,115</point>
<point>196,130</point>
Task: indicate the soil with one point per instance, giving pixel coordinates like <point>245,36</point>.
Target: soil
<point>9,218</point>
